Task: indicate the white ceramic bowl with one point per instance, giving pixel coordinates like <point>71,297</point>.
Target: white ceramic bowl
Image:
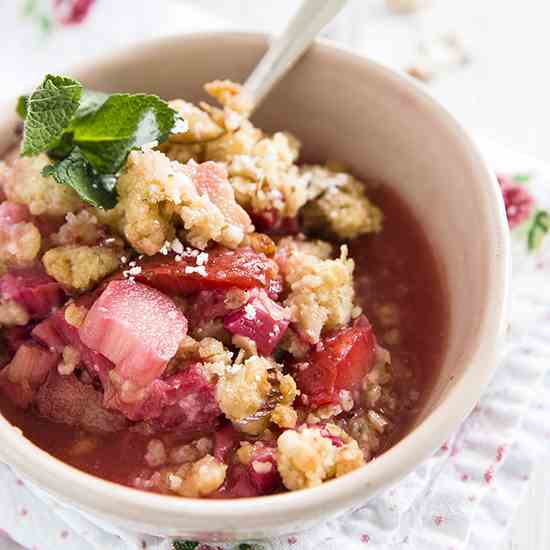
<point>342,106</point>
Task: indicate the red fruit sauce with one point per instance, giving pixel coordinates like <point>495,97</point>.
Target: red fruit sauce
<point>395,266</point>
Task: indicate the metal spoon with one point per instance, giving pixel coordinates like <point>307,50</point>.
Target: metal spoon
<point>286,49</point>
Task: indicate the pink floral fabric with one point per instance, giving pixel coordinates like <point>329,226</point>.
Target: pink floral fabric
<point>72,12</point>
<point>517,201</point>
<point>522,209</point>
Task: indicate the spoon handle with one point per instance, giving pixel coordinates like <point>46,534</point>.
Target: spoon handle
<point>286,49</point>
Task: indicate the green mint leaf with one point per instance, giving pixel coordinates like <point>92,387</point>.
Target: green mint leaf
<point>90,102</point>
<point>184,545</point>
<point>90,133</point>
<point>50,110</point>
<point>122,123</point>
<point>76,172</point>
<point>62,148</point>
<point>21,107</point>
<point>539,227</point>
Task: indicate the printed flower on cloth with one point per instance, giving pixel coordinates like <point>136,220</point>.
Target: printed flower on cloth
<point>57,12</point>
<point>525,217</point>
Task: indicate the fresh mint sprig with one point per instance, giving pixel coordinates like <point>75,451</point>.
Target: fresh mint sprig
<point>122,123</point>
<point>49,112</point>
<point>90,134</point>
<point>76,172</point>
<point>22,106</point>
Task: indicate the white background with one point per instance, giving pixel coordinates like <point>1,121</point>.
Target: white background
<point>504,93</point>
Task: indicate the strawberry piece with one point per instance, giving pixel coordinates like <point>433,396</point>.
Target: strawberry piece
<point>242,268</point>
<point>136,327</point>
<point>261,320</point>
<point>339,362</point>
<point>32,288</point>
<point>26,372</point>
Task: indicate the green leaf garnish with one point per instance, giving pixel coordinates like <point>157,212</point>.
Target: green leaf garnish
<point>539,227</point>
<point>49,112</point>
<point>184,545</point>
<point>123,123</point>
<point>90,133</point>
<point>62,148</point>
<point>76,172</point>
<point>90,102</point>
<point>21,107</point>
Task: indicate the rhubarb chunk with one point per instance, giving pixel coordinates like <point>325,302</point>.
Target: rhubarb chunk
<point>33,289</point>
<point>136,327</point>
<point>210,178</point>
<point>184,402</point>
<point>261,320</point>
<point>226,440</point>
<point>56,333</point>
<point>27,371</point>
<point>190,403</point>
<point>259,476</point>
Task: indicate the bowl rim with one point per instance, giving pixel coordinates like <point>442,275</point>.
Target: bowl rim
<point>104,496</point>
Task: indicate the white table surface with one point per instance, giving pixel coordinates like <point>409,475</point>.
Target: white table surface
<point>504,94</point>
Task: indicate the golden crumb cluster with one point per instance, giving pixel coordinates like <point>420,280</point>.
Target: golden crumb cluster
<point>306,457</point>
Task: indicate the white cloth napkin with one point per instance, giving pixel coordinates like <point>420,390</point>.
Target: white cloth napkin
<point>464,496</point>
